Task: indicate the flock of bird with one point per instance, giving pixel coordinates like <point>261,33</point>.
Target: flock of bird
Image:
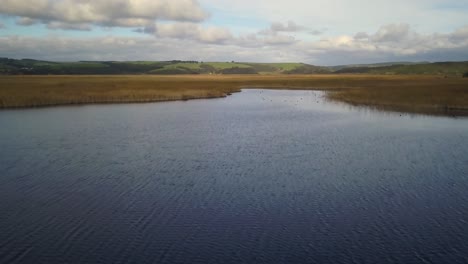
<point>296,102</point>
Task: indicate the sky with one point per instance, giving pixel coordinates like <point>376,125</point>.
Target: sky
<point>319,32</point>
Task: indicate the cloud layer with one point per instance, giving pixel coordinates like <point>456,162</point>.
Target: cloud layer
<point>321,32</point>
<point>123,13</point>
<point>392,42</point>
<point>389,43</point>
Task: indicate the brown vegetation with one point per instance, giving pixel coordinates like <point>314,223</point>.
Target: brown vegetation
<point>416,94</point>
<point>422,94</point>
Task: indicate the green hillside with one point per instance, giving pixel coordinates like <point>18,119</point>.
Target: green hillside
<point>28,66</point>
<point>436,68</point>
<point>374,65</point>
<point>33,67</point>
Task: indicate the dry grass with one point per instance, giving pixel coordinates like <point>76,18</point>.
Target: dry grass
<point>414,94</point>
<point>422,94</point>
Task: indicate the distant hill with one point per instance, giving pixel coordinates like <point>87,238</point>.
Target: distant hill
<point>38,67</point>
<point>436,68</point>
<point>29,66</point>
<point>374,65</point>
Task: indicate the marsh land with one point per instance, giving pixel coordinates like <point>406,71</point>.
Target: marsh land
<point>407,93</point>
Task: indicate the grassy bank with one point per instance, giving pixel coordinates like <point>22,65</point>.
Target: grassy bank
<point>437,68</point>
<point>421,94</point>
<point>413,94</point>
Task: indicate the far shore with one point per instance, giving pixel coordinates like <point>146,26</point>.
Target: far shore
<point>433,95</point>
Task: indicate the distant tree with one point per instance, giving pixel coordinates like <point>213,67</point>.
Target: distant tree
<point>465,75</point>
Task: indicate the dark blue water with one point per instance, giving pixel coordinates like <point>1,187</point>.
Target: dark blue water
<point>258,177</point>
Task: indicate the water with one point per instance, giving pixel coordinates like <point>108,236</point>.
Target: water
<point>258,177</point>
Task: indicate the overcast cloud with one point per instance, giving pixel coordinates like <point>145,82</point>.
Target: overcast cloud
<point>124,13</point>
<point>319,32</point>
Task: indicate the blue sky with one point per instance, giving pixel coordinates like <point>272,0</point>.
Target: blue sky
<point>318,32</point>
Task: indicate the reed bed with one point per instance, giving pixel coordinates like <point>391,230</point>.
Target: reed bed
<point>419,94</point>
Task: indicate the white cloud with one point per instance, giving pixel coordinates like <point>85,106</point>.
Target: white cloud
<point>141,48</point>
<point>391,42</point>
<point>68,26</point>
<point>279,40</point>
<point>214,35</point>
<point>128,22</point>
<point>316,32</point>
<point>130,13</point>
<point>361,36</point>
<point>460,34</point>
<point>193,31</point>
<point>392,33</point>
<point>277,34</point>
<point>188,31</point>
<point>26,21</point>
<point>290,26</point>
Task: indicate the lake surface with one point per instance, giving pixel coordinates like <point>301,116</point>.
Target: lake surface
<point>258,177</point>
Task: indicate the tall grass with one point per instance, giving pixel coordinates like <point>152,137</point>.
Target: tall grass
<point>402,93</point>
